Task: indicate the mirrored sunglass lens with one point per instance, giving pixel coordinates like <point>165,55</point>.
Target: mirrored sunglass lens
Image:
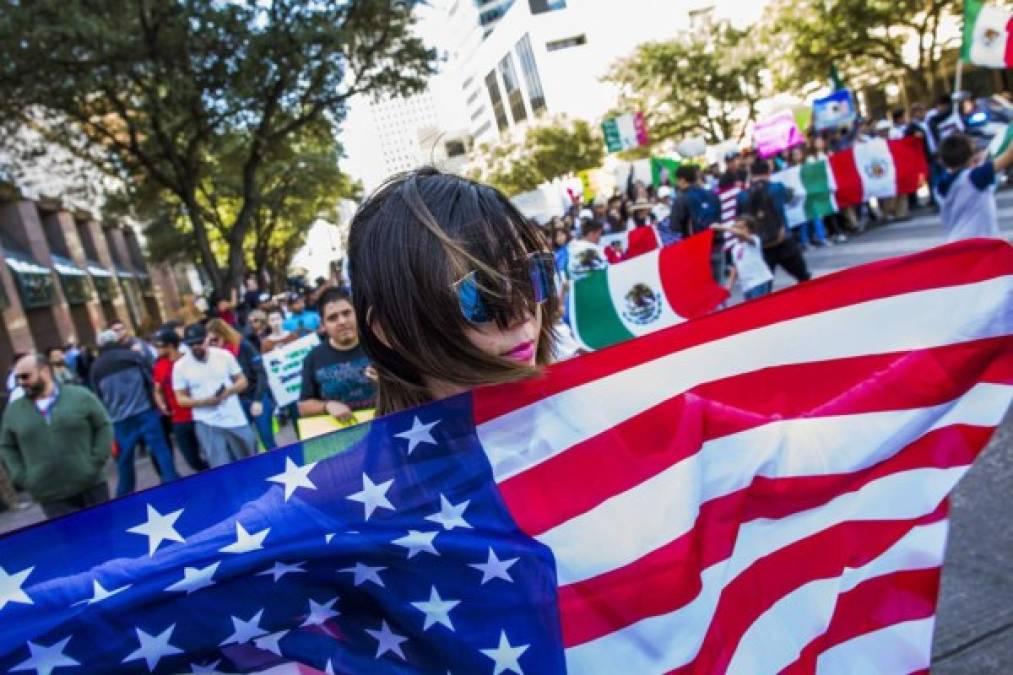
<point>470,300</point>
<point>541,278</point>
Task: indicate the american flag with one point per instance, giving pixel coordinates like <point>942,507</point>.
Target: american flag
<point>760,490</point>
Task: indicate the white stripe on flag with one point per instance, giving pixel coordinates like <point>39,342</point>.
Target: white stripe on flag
<point>665,506</point>
<point>644,269</point>
<point>875,168</point>
<point>815,602</point>
<point>901,648</point>
<point>791,178</point>
<point>533,434</point>
<point>989,37</point>
<point>623,650</point>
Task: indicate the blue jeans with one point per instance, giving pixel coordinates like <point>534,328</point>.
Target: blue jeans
<point>264,424</point>
<point>758,291</point>
<point>129,432</point>
<point>819,233</point>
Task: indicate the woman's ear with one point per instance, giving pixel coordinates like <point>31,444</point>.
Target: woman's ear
<point>376,329</point>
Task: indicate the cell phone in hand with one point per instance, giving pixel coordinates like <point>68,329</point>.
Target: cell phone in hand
<point>221,390</point>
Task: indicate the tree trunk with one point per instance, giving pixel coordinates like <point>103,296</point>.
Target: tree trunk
<point>207,256</point>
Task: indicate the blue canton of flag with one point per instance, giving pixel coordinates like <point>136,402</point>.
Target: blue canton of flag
<point>396,555</point>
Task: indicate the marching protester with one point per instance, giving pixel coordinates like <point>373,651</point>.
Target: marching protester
<point>55,440</point>
<point>586,253</point>
<point>256,325</point>
<point>765,201</point>
<point>748,267</point>
<point>184,432</point>
<point>255,400</point>
<point>276,334</point>
<point>130,341</point>
<point>489,306</point>
<point>301,319</point>
<point>695,210</point>
<point>122,379</point>
<point>61,371</point>
<point>337,378</point>
<point>966,191</point>
<point>209,380</point>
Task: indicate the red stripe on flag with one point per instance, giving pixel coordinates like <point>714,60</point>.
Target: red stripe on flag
<point>669,577</point>
<point>958,263</point>
<point>686,277</point>
<point>850,189</point>
<point>909,163</point>
<point>654,440</point>
<point>1009,43</point>
<point>821,556</point>
<point>872,605</point>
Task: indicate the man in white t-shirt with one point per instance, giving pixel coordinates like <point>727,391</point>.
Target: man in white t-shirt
<point>754,277</point>
<point>209,380</point>
<point>586,253</point>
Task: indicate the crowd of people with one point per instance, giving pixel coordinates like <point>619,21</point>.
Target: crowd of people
<point>200,389</point>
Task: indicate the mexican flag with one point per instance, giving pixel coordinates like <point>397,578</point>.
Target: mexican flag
<point>653,291</point>
<point>662,169</point>
<point>987,35</point>
<point>876,168</point>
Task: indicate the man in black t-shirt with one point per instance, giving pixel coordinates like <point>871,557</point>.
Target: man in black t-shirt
<point>337,378</point>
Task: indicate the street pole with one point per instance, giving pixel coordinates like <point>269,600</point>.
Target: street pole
<point>959,79</point>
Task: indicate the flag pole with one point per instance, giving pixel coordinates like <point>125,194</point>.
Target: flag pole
<point>958,80</point>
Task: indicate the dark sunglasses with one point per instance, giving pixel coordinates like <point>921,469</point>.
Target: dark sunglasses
<point>532,278</point>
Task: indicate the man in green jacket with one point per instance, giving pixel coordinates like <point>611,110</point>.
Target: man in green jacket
<point>55,440</point>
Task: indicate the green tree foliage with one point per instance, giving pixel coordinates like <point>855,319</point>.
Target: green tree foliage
<point>168,94</point>
<point>706,84</point>
<point>549,150</point>
<point>860,37</point>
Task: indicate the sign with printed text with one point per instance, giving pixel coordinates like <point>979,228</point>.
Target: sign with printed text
<point>284,368</point>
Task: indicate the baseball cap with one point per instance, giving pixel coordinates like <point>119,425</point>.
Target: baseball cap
<point>586,213</point>
<point>664,191</point>
<point>107,337</point>
<point>883,125</point>
<point>731,154</point>
<point>194,334</point>
<point>166,336</point>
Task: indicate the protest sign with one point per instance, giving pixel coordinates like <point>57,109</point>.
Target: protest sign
<point>776,133</point>
<point>284,368</point>
<point>834,111</point>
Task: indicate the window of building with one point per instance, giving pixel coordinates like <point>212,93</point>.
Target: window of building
<point>536,96</point>
<point>498,107</point>
<point>471,99</point>
<point>484,128</point>
<point>566,43</point>
<point>513,88</point>
<point>455,148</point>
<point>542,6</point>
<point>477,113</point>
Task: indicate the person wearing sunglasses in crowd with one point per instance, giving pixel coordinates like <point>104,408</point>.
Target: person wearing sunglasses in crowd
<point>337,378</point>
<point>473,301</point>
<point>255,399</point>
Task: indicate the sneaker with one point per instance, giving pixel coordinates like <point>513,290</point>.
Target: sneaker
<point>841,238</point>
<point>820,244</point>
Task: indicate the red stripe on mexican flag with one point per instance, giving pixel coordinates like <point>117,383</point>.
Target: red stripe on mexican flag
<point>878,168</point>
<point>655,290</point>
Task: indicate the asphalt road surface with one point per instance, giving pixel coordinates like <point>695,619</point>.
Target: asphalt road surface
<point>974,628</point>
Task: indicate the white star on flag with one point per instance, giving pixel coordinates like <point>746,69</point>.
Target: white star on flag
<point>44,660</point>
<point>153,647</point>
<point>158,528</point>
<point>505,655</point>
<point>450,515</point>
<point>373,496</point>
<point>328,668</point>
<point>388,640</point>
<point>201,668</point>
<point>195,578</point>
<point>269,643</point>
<point>364,573</point>
<point>436,609</point>
<point>244,631</point>
<point>99,593</point>
<point>328,537</point>
<point>280,569</point>
<point>494,568</point>
<point>419,433</point>
<point>320,612</point>
<point>246,542</point>
<point>10,587</point>
<point>294,476</point>
<point>418,542</point>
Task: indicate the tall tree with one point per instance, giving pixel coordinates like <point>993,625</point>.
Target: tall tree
<point>859,37</point>
<point>550,149</point>
<point>160,86</point>
<point>704,84</point>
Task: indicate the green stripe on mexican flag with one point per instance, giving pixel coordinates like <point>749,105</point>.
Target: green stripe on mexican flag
<point>987,35</point>
<point>813,186</point>
<point>653,291</point>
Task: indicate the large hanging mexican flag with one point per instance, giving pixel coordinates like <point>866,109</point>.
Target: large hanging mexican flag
<point>987,35</point>
<point>876,168</point>
<point>650,292</point>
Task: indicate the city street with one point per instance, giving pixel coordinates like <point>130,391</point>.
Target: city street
<point>974,632</point>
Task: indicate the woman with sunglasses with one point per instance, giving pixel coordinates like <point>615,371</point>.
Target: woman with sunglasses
<point>256,399</point>
<point>453,288</point>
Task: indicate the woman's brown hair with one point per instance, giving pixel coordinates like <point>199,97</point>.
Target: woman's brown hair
<point>226,332</point>
<point>409,243</point>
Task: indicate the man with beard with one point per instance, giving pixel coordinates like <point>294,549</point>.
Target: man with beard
<point>55,440</point>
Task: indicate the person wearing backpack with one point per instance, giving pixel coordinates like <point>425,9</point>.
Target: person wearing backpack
<point>764,201</point>
<point>695,210</point>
